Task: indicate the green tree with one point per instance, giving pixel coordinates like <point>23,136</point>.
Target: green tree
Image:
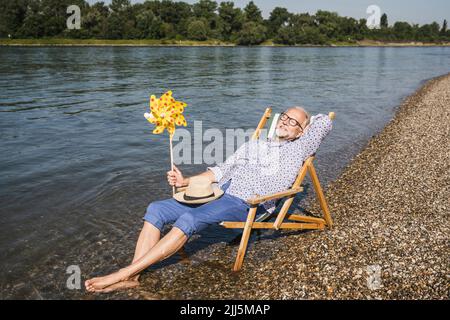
<point>301,20</point>
<point>286,35</point>
<point>121,22</point>
<point>363,30</point>
<point>33,22</point>
<point>55,16</point>
<point>198,30</point>
<point>311,35</point>
<point>326,17</point>
<point>120,5</point>
<point>444,27</point>
<point>252,33</point>
<point>298,29</point>
<point>429,32</point>
<point>278,17</point>
<point>95,20</point>
<point>173,12</point>
<point>402,30</point>
<point>252,13</point>
<point>384,21</point>
<point>328,24</point>
<point>148,25</point>
<point>12,15</point>
<point>231,19</point>
<point>117,19</point>
<point>176,14</point>
<point>348,27</point>
<point>205,9</point>
<point>168,30</point>
<point>114,26</point>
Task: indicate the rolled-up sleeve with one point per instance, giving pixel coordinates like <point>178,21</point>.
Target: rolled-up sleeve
<point>218,175</point>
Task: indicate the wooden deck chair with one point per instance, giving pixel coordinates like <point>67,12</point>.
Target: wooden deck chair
<point>301,222</point>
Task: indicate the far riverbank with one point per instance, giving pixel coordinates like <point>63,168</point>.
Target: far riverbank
<point>46,42</point>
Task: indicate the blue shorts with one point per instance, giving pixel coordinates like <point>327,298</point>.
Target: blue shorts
<point>192,219</point>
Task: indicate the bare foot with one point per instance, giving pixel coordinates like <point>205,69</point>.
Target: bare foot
<point>99,283</point>
<point>126,284</point>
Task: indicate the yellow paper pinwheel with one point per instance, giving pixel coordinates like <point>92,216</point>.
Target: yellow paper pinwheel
<point>166,113</point>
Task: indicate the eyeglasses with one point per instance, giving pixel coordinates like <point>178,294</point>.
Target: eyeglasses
<point>292,122</point>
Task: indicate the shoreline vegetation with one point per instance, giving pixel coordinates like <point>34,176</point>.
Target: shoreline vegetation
<point>390,234</point>
<point>203,23</point>
<point>62,42</point>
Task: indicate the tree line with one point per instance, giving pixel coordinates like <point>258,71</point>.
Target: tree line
<point>200,21</point>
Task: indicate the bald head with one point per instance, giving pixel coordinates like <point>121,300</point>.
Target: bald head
<point>300,114</point>
<point>292,123</point>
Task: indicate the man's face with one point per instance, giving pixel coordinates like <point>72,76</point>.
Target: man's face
<point>289,124</point>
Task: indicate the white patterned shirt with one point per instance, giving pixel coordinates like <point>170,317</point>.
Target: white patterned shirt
<point>265,166</point>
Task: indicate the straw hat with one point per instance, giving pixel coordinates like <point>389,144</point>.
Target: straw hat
<point>199,191</point>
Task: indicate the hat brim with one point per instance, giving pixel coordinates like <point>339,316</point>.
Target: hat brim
<point>217,194</point>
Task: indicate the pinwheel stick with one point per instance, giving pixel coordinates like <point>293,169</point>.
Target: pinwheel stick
<point>166,113</point>
<point>171,159</point>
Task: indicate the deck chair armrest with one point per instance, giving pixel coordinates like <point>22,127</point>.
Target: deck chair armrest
<point>257,200</point>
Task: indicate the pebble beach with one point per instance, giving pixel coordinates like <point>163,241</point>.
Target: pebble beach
<point>390,238</point>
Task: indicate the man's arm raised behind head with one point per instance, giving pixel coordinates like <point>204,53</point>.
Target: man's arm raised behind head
<point>314,134</point>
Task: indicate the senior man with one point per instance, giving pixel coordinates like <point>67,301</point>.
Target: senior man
<point>270,167</point>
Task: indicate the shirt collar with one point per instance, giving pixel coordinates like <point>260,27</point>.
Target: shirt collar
<point>277,143</point>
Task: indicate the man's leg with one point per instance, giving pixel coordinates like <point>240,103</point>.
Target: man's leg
<point>167,246</point>
<point>158,214</point>
<point>191,222</point>
<point>148,237</point>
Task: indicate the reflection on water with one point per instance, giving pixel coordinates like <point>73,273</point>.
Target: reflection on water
<point>78,162</point>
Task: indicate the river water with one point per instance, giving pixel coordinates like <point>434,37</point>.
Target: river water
<point>79,164</point>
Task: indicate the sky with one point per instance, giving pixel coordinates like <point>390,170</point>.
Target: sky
<point>412,11</point>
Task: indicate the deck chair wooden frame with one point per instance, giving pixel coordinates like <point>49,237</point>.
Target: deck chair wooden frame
<point>300,222</point>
